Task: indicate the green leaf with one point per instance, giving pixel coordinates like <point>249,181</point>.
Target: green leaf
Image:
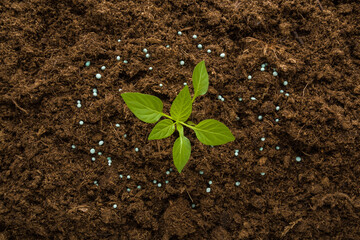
<point>162,129</point>
<point>200,79</point>
<point>213,132</point>
<point>182,106</point>
<point>146,107</point>
<point>191,123</point>
<point>181,152</point>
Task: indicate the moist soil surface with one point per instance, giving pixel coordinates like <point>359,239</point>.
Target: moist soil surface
<point>47,188</point>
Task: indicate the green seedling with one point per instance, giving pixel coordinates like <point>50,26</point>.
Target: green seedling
<point>149,109</point>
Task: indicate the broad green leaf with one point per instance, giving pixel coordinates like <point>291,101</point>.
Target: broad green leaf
<point>213,132</point>
<point>181,152</point>
<point>162,129</point>
<point>182,106</point>
<point>146,107</point>
<point>200,79</point>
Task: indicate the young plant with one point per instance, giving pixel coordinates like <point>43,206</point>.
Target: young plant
<point>149,109</point>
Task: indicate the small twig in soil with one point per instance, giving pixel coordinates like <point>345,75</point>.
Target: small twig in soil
<point>17,105</point>
<point>306,154</point>
<point>187,28</point>
<point>291,226</point>
<point>189,195</point>
<point>304,88</point>
<point>320,6</point>
<point>296,35</point>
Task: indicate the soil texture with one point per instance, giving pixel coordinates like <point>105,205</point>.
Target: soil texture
<point>47,188</point>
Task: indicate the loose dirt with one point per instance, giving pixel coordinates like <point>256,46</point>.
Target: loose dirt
<point>47,189</point>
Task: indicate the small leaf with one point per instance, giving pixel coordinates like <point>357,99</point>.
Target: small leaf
<point>162,129</point>
<point>181,152</point>
<point>182,106</point>
<point>213,132</point>
<point>146,107</point>
<point>191,123</point>
<point>200,79</point>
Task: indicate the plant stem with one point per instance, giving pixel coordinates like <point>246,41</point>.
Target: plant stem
<point>165,115</point>
<point>187,125</point>
<point>192,101</point>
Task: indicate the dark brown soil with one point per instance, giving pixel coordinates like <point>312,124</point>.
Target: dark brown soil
<point>47,189</point>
